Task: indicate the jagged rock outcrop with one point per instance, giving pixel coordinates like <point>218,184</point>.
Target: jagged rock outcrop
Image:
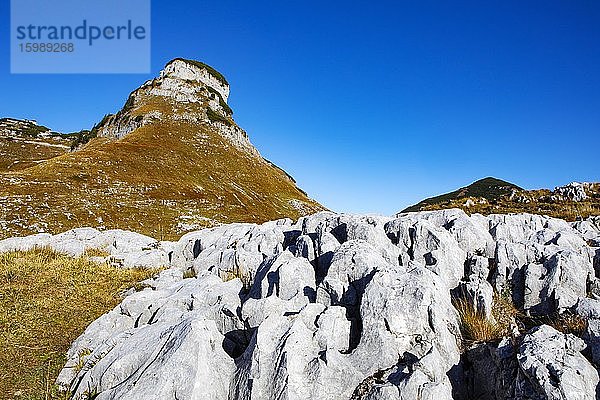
<point>184,82</point>
<point>338,306</point>
<point>574,191</point>
<point>555,367</point>
<point>546,365</point>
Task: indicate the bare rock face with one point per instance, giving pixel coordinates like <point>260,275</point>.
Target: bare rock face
<point>196,71</point>
<point>554,366</point>
<point>546,365</point>
<point>338,306</point>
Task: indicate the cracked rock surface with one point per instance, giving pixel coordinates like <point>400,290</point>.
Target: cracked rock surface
<point>338,306</point>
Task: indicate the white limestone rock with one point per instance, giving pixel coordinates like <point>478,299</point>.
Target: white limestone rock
<point>338,306</point>
<point>159,361</point>
<point>556,284</point>
<point>573,191</point>
<point>184,70</point>
<point>590,310</point>
<point>286,277</point>
<point>352,266</point>
<point>229,249</point>
<point>551,361</point>
<point>25,243</point>
<point>479,293</point>
<point>424,243</point>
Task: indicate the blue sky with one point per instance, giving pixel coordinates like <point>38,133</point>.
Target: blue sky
<point>372,107</point>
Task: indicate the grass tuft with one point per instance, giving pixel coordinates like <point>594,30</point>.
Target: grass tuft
<point>237,272</point>
<point>83,353</point>
<point>567,322</point>
<point>476,327</point>
<point>190,273</point>
<point>504,311</point>
<point>96,252</point>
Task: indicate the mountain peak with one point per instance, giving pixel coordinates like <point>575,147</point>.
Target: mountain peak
<point>488,188</point>
<point>184,90</point>
<point>172,153</point>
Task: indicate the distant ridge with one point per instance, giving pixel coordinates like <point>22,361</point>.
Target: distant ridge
<point>489,188</point>
<point>495,196</point>
<point>24,143</point>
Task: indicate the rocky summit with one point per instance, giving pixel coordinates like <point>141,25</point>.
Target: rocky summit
<point>172,160</point>
<point>338,306</point>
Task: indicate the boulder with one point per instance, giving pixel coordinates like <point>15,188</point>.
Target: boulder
<point>556,284</point>
<point>159,361</point>
<point>590,310</point>
<point>25,243</point>
<point>554,367</point>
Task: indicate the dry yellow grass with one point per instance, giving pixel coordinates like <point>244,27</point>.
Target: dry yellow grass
<point>238,272</point>
<point>567,322</point>
<point>504,311</point>
<point>93,252</point>
<point>476,327</point>
<point>18,154</point>
<point>189,273</point>
<point>46,301</point>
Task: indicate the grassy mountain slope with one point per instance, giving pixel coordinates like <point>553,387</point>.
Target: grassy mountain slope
<point>174,172</point>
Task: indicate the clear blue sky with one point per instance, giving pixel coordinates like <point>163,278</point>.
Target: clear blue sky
<point>374,107</point>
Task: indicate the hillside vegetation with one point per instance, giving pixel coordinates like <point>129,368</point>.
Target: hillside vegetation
<point>24,144</point>
<point>495,196</point>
